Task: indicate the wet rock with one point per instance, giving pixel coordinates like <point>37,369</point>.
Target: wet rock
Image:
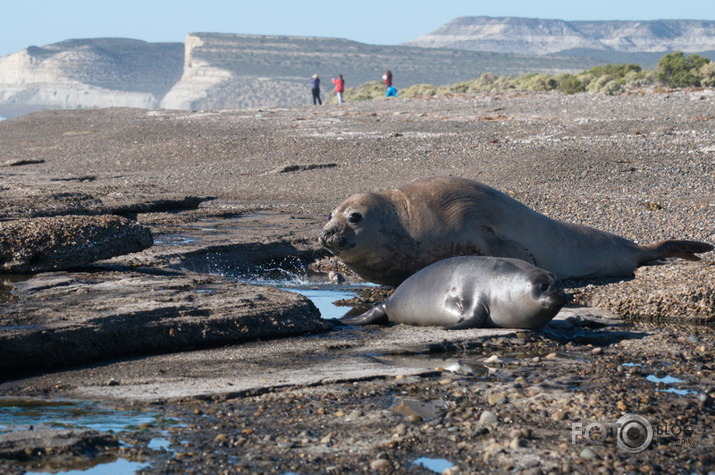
<point>55,243</point>
<point>41,442</point>
<point>61,319</point>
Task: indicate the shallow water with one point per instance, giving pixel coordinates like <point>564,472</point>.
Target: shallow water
<point>118,467</point>
<point>436,465</point>
<point>18,413</point>
<point>314,286</point>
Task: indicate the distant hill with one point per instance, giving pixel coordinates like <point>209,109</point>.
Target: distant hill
<point>90,73</point>
<point>212,70</point>
<point>228,70</point>
<point>642,42</point>
<point>216,71</point>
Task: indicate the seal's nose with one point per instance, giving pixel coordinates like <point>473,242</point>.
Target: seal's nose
<point>325,235</point>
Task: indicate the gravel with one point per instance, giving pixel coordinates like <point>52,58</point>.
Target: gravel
<point>638,165</point>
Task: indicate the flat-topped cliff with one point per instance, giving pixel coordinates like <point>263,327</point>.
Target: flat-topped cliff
<point>222,71</point>
<point>217,71</point>
<point>97,72</point>
<point>539,36</point>
<point>232,70</point>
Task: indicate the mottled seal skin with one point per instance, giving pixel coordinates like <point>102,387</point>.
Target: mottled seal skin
<point>472,292</point>
<point>386,237</point>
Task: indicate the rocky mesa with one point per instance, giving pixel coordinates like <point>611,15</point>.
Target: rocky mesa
<point>223,71</point>
<point>579,38</point>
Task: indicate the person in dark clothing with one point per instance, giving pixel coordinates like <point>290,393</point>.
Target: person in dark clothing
<point>315,89</point>
<point>387,78</point>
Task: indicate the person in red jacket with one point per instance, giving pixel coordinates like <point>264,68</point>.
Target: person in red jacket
<point>339,87</point>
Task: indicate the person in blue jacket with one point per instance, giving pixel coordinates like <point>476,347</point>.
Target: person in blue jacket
<point>391,92</point>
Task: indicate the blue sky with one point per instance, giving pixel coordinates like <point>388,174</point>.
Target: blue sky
<point>39,22</point>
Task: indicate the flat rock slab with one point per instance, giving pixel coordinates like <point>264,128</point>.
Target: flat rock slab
<point>347,354</point>
<point>62,319</point>
<point>64,242</point>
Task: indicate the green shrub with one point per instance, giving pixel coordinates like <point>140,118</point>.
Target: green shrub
<point>537,82</point>
<point>614,70</point>
<point>674,70</point>
<point>708,73</point>
<point>678,70</point>
<point>365,92</point>
<point>419,90</point>
<point>612,87</point>
<point>569,84</point>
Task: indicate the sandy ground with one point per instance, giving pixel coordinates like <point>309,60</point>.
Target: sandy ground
<point>354,400</point>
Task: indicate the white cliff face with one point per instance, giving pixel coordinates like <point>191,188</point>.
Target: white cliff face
<point>73,95</point>
<point>198,80</point>
<point>218,71</point>
<point>536,36</point>
<point>88,73</point>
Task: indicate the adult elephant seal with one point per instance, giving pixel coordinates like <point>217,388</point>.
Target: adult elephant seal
<point>386,237</point>
<point>472,292</point>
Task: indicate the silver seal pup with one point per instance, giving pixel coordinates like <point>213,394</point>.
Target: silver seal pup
<point>472,292</point>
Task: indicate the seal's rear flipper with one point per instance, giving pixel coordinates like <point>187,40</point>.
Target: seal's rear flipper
<point>672,248</point>
<point>375,316</point>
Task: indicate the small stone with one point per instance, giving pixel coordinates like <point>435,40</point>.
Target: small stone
<point>587,453</point>
<point>380,465</point>
<point>550,356</point>
<point>515,443</point>
<point>536,359</point>
<point>496,399</point>
<point>621,405</point>
<point>597,351</point>
<point>221,438</point>
<point>492,359</point>
<point>488,418</point>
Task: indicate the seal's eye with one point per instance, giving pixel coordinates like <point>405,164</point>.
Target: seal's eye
<point>355,217</point>
<point>544,287</point>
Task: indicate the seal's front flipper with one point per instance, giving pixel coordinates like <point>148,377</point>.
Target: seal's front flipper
<point>471,314</point>
<point>375,316</point>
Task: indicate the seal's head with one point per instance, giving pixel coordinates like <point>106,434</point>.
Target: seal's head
<point>547,290</point>
<point>365,232</point>
<point>530,299</point>
<point>354,223</point>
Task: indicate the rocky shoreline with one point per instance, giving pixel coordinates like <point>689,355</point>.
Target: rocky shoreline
<point>259,382</point>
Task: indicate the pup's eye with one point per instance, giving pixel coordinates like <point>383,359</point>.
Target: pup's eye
<point>355,217</point>
<point>544,287</point>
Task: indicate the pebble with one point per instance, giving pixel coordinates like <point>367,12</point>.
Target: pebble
<point>588,453</point>
<point>380,465</point>
<point>496,399</point>
<point>488,418</point>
